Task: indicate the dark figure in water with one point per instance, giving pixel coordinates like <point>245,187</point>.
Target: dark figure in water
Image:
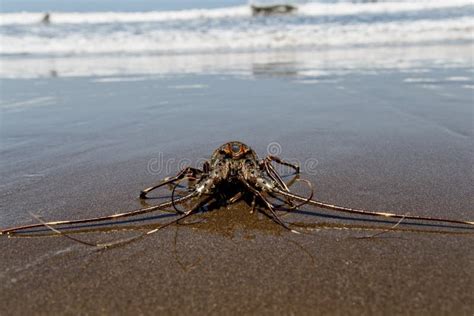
<point>46,19</point>
<point>272,9</point>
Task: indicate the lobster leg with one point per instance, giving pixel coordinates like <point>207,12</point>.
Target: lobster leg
<point>273,174</point>
<point>189,170</point>
<point>269,206</point>
<point>282,162</point>
<point>188,213</point>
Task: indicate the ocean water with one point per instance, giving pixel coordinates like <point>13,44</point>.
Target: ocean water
<point>90,37</point>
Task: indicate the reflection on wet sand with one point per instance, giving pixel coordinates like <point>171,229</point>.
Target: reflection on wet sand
<point>284,69</point>
<point>237,220</point>
<point>333,61</point>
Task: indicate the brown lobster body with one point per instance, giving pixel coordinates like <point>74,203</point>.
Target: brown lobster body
<point>235,163</point>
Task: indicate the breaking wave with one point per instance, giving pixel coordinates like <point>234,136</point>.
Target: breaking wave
<point>234,29</point>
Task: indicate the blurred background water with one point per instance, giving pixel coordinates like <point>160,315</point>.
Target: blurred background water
<point>107,37</point>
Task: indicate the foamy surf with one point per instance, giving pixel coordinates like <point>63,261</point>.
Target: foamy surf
<point>240,40</point>
<point>99,42</point>
<point>315,25</point>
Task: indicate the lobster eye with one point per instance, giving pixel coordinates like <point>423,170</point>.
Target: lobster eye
<point>236,148</point>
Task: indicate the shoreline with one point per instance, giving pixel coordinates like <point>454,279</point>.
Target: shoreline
<point>303,62</point>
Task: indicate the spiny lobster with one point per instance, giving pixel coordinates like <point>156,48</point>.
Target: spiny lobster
<point>234,172</point>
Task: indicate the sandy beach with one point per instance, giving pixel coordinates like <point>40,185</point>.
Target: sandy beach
<point>392,140</point>
<point>372,99</point>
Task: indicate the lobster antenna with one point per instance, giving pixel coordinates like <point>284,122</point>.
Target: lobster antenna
<point>369,213</point>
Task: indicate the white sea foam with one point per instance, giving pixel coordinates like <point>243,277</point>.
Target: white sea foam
<point>189,86</point>
<point>419,80</point>
<point>431,86</point>
<point>33,102</point>
<point>120,79</point>
<point>344,8</point>
<point>264,38</point>
<point>458,79</point>
<point>316,25</point>
<point>349,35</point>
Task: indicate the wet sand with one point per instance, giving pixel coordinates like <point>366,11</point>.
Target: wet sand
<point>398,141</point>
